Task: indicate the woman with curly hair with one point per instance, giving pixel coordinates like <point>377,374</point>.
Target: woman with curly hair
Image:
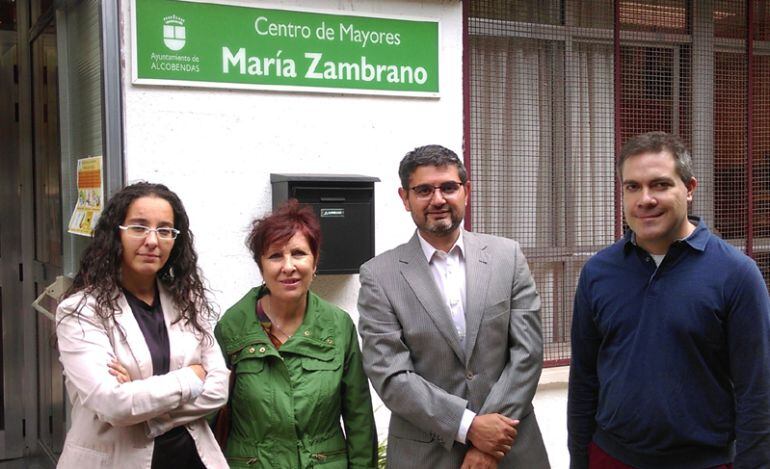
<point>142,368</point>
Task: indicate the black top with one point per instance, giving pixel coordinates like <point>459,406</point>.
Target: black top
<point>175,448</point>
<point>153,326</point>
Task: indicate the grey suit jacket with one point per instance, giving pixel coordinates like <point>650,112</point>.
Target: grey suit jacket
<point>413,356</point>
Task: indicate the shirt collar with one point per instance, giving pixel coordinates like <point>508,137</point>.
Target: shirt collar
<point>696,240</point>
<point>428,250</point>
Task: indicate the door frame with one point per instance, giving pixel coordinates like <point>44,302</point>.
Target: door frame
<point>19,270</point>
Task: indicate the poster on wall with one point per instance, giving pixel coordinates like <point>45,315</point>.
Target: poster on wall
<point>185,43</point>
<point>90,197</point>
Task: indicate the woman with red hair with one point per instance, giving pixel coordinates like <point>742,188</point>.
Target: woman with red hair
<point>296,360</point>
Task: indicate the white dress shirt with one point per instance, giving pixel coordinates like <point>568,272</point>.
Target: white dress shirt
<point>448,270</point>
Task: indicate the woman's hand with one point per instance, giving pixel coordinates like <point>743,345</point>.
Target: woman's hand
<point>118,371</point>
<point>200,371</point>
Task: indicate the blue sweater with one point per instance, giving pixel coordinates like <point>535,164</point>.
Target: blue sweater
<point>671,365</point>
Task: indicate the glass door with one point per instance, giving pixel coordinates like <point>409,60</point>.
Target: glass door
<point>48,229</point>
<point>12,424</point>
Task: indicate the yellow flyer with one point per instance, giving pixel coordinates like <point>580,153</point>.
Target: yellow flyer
<point>90,196</point>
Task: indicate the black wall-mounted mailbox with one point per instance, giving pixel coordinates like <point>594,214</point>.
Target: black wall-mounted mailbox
<point>344,204</point>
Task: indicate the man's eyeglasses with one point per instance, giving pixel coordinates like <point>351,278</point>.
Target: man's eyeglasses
<point>141,231</point>
<point>448,189</point>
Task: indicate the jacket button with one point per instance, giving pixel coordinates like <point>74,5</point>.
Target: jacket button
<point>469,375</point>
<point>251,349</point>
<point>307,333</point>
<point>262,349</point>
<point>329,341</point>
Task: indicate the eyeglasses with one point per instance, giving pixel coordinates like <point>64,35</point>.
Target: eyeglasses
<point>141,231</point>
<point>448,189</point>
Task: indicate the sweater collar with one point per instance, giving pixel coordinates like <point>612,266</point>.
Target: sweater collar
<point>696,240</point>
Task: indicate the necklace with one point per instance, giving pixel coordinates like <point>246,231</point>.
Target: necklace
<point>272,321</point>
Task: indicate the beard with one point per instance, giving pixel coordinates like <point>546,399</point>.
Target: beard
<point>444,226</point>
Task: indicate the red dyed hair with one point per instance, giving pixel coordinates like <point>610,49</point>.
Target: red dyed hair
<point>279,226</point>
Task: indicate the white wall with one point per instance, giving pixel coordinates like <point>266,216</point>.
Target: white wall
<point>551,409</point>
<point>217,148</point>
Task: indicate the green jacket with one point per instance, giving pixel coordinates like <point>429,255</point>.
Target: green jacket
<point>286,405</point>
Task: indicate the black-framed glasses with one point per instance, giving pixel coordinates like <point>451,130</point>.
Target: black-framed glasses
<point>448,189</point>
<point>141,231</point>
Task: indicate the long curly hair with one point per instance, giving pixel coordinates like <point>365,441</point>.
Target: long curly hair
<point>101,262</point>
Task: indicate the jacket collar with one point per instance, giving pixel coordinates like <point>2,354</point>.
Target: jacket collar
<point>416,271</point>
<point>478,276</point>
<point>315,337</point>
<point>428,249</point>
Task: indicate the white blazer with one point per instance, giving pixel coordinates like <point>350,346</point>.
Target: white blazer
<point>114,425</point>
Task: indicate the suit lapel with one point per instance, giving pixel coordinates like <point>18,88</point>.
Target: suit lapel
<point>134,338</point>
<point>477,278</point>
<point>416,271</point>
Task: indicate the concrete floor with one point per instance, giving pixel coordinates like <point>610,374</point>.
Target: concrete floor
<point>550,407</point>
<point>26,463</point>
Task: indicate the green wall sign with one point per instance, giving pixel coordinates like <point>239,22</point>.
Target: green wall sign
<point>181,43</point>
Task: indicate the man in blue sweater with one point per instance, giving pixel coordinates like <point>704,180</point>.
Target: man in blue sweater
<point>670,334</point>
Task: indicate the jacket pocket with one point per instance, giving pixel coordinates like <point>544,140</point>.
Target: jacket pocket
<point>313,364</point>
<point>496,310</point>
<point>320,378</point>
<point>249,367</point>
<point>331,459</point>
<point>329,452</point>
<point>79,457</point>
<point>406,431</point>
<point>253,396</point>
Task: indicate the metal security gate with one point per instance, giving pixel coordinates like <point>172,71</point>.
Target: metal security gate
<point>59,72</point>
<point>11,356</point>
<point>553,89</point>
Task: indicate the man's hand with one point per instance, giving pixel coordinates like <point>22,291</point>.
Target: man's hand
<point>493,434</point>
<point>477,459</point>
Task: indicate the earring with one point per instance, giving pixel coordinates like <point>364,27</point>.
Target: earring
<point>315,274</point>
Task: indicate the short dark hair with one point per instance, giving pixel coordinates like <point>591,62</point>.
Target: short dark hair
<point>429,155</point>
<point>656,142</point>
<point>279,226</point>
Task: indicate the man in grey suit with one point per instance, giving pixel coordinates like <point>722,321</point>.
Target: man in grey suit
<point>450,324</point>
